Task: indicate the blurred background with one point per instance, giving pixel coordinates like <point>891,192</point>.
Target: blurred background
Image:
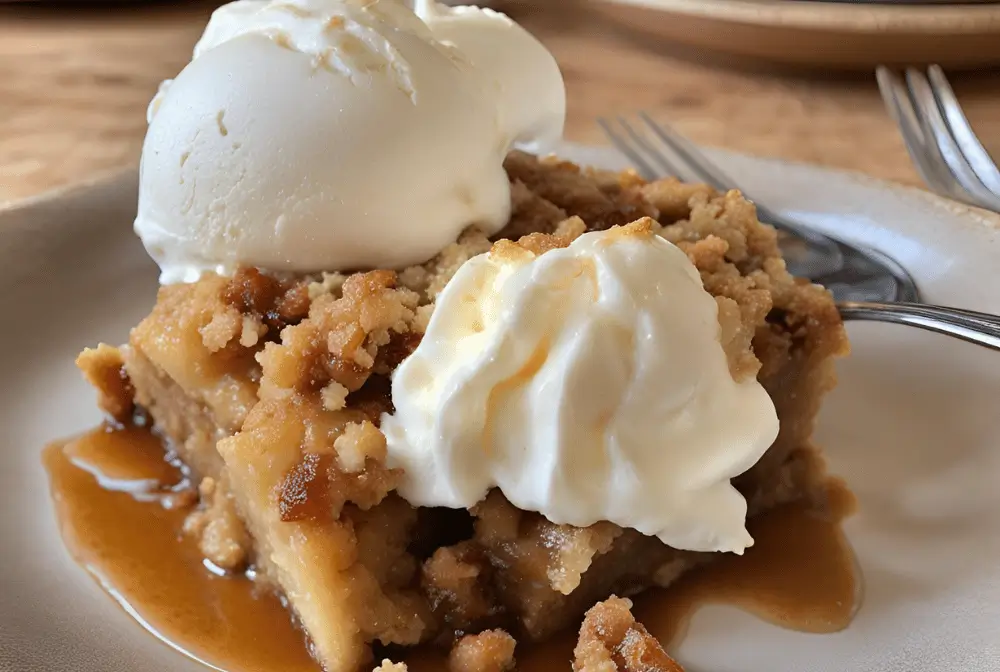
<point>781,78</point>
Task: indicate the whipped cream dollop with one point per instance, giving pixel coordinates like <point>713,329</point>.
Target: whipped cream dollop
<point>587,383</point>
<point>309,135</point>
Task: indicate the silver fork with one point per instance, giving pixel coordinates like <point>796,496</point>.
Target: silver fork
<point>867,284</point>
<point>938,137</point>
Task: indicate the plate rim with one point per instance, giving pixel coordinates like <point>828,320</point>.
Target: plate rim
<point>90,181</point>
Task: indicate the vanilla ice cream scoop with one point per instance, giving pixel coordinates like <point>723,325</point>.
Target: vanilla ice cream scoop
<point>588,383</point>
<point>524,75</point>
<point>310,135</point>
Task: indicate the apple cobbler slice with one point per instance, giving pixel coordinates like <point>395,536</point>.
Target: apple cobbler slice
<point>271,389</point>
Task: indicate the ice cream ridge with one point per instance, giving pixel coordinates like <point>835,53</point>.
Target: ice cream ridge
<point>588,383</point>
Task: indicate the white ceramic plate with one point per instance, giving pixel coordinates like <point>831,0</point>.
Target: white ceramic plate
<point>913,427</point>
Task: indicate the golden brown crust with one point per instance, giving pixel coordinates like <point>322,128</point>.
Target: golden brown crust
<point>489,651</point>
<point>389,666</point>
<point>673,198</point>
<point>572,190</point>
<point>323,480</point>
<point>192,339</point>
<point>340,338</point>
<point>611,640</point>
<point>222,537</point>
<point>274,302</point>
<point>104,368</point>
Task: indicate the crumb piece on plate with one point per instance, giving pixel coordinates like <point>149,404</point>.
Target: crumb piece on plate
<point>489,651</point>
<point>611,640</point>
<point>104,368</point>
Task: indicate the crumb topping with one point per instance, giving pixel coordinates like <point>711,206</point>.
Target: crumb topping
<point>571,189</point>
<point>360,442</point>
<point>274,302</point>
<point>340,338</point>
<point>489,651</point>
<point>611,640</point>
<point>324,480</point>
<point>222,538</point>
<point>104,368</point>
<point>389,666</point>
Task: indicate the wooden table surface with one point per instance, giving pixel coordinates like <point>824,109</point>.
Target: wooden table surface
<point>74,84</point>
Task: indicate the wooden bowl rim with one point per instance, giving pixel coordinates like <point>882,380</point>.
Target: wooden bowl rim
<point>926,19</point>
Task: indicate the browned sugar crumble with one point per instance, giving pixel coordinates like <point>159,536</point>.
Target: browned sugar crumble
<point>291,374</point>
<point>318,487</point>
<point>389,666</point>
<point>488,651</point>
<point>104,368</point>
<point>612,640</point>
<point>459,585</point>
<point>222,538</point>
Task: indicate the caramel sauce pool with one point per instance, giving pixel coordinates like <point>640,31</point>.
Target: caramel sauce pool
<point>121,506</point>
<point>126,531</point>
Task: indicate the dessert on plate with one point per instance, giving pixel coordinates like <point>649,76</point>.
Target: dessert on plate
<point>434,388</point>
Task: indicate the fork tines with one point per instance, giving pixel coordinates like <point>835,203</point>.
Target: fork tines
<point>940,141</point>
<point>656,150</point>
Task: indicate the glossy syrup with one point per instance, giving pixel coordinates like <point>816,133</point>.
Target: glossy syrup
<point>122,504</point>
<point>127,534</point>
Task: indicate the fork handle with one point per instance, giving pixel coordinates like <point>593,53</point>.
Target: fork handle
<point>968,325</point>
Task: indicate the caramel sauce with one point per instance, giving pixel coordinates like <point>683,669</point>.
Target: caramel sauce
<point>122,504</point>
<point>124,527</point>
<point>800,574</point>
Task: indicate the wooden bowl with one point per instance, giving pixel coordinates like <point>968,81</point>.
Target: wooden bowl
<point>832,35</point>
